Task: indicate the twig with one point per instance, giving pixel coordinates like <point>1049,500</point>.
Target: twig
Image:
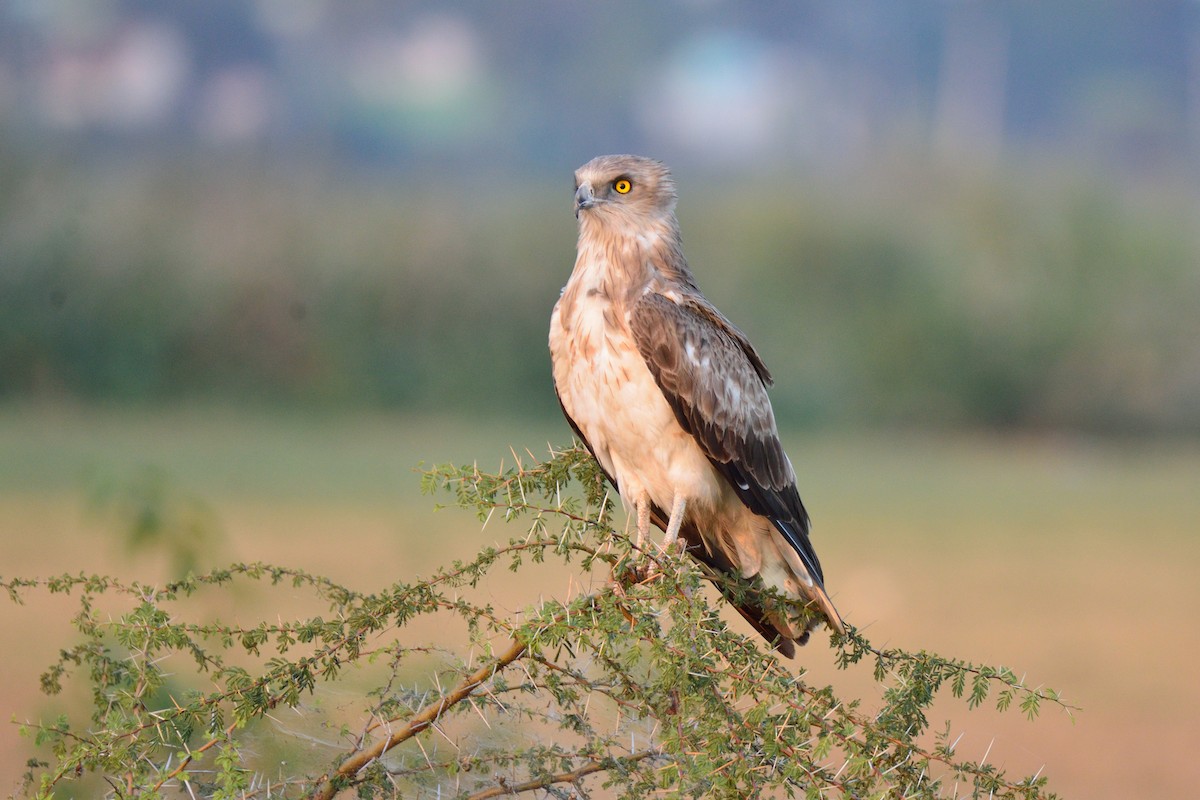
<point>564,777</point>
<point>192,754</point>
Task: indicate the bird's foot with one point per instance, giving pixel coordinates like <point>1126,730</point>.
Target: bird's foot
<point>639,567</point>
<point>672,547</point>
<point>646,565</point>
<point>629,570</point>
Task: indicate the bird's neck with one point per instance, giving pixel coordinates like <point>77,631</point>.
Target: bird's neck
<point>622,260</point>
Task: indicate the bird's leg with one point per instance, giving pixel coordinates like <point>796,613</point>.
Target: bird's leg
<point>635,569</point>
<point>674,523</point>
<point>642,504</point>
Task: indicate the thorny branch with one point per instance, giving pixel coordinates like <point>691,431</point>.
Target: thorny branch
<point>328,786</point>
<point>712,704</point>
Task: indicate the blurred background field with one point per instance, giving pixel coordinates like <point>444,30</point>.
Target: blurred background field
<point>259,259</point>
<point>931,298</point>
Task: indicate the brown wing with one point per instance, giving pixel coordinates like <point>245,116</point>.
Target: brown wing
<point>717,385</point>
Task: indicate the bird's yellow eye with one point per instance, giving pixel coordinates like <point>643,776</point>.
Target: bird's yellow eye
<point>622,185</point>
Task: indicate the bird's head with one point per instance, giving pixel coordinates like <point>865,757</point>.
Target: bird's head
<point>624,189</point>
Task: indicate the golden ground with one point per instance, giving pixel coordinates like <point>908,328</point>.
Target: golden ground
<point>1073,562</point>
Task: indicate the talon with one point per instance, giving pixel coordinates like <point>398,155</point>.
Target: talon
<point>627,571</point>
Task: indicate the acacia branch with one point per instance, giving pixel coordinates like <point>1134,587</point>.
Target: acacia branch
<point>329,785</point>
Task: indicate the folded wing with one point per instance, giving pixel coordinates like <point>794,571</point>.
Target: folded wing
<point>717,386</point>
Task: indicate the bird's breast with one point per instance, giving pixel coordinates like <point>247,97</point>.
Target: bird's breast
<point>611,395</point>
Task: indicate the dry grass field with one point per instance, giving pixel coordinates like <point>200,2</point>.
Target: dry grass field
<point>1072,561</point>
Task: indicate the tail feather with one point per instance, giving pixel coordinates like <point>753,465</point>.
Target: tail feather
<point>795,571</point>
<point>780,631</point>
<point>776,632</point>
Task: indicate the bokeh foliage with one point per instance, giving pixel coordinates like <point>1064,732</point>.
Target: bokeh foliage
<point>636,686</point>
<point>917,294</point>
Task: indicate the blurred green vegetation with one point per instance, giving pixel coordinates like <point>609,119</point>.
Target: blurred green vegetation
<point>914,295</point>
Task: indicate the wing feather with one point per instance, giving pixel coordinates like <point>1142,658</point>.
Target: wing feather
<point>717,386</point>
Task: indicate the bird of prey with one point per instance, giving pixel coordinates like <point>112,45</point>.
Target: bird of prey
<point>671,398</point>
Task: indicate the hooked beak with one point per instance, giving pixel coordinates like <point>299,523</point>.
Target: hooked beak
<point>584,198</point>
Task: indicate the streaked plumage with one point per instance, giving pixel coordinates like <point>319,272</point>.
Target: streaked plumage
<point>671,398</point>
